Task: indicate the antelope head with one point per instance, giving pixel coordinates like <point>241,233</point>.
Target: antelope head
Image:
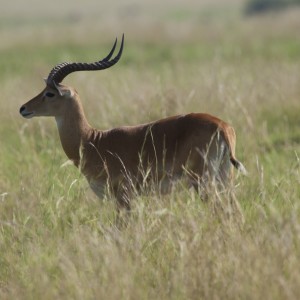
<point>56,98</point>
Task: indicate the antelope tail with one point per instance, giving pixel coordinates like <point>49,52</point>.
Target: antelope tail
<point>239,166</point>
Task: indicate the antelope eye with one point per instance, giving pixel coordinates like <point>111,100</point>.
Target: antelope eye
<point>49,94</point>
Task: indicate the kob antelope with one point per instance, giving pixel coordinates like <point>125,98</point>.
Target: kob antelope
<point>197,145</point>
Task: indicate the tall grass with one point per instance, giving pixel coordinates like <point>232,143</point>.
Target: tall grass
<point>57,240</point>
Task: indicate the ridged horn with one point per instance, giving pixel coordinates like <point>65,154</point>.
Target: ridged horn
<point>60,71</point>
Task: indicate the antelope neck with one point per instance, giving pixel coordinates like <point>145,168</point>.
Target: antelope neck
<point>73,130</point>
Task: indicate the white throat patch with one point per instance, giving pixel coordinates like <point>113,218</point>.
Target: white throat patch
<point>59,122</point>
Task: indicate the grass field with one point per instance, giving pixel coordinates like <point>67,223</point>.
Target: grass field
<point>58,241</point>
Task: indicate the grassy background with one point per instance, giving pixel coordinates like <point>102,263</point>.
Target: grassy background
<point>57,240</point>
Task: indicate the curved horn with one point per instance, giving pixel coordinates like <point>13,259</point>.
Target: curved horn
<point>60,71</point>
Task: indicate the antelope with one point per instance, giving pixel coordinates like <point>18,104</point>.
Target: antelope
<point>197,145</point>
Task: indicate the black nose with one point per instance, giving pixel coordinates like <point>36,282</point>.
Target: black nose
<point>22,109</point>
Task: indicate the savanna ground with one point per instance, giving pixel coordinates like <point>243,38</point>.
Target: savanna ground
<point>58,241</point>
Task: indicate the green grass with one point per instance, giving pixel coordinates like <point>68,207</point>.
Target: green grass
<point>57,240</point>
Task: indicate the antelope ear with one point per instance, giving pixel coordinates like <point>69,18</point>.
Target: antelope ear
<point>54,85</point>
<point>67,92</point>
<point>60,91</point>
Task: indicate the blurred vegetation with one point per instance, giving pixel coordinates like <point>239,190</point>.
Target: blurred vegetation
<point>261,6</point>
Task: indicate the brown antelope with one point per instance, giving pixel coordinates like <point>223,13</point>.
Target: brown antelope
<point>197,145</point>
